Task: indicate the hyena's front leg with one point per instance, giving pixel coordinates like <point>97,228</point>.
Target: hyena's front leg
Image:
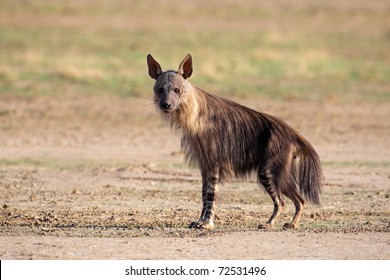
<point>209,197</point>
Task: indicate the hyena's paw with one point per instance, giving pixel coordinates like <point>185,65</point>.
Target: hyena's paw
<point>209,224</point>
<point>290,226</point>
<point>265,226</point>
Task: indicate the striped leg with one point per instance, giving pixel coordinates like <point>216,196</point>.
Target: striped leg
<point>266,179</point>
<point>209,196</point>
<point>292,193</point>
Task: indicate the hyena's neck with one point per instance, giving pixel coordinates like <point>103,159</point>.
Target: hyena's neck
<point>187,118</point>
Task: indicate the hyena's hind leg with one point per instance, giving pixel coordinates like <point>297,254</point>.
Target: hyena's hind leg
<point>267,180</point>
<point>210,189</point>
<point>292,193</point>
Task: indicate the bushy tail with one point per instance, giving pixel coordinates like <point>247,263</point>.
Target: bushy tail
<point>309,172</point>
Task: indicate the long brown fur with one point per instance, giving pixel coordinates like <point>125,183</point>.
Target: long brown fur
<point>225,139</point>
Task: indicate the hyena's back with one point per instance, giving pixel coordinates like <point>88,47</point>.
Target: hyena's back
<point>240,139</point>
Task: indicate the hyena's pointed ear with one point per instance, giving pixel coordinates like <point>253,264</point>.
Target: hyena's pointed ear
<point>185,68</point>
<point>154,68</point>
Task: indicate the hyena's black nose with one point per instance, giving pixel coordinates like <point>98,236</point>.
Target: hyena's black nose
<point>165,105</point>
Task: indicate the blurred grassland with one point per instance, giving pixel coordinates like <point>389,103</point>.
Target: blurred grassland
<point>283,49</point>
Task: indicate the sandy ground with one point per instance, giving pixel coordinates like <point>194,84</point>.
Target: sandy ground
<point>104,178</point>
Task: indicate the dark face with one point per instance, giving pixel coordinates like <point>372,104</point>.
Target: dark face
<point>168,89</point>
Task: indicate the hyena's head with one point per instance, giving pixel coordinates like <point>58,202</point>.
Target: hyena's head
<point>170,86</point>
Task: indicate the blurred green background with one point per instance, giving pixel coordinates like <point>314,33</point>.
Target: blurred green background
<point>279,49</point>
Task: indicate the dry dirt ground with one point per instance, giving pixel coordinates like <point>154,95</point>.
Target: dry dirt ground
<point>103,178</point>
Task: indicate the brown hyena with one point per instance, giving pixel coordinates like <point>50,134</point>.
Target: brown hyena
<point>225,139</point>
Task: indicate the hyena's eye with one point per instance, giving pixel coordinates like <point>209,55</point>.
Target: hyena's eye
<point>176,90</point>
<point>160,91</point>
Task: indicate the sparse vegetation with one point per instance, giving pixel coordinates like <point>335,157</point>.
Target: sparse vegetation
<point>279,49</point>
